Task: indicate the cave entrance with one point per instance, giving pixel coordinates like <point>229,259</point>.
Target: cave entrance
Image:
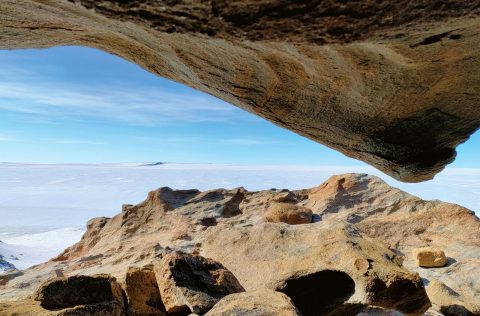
<point>320,292</point>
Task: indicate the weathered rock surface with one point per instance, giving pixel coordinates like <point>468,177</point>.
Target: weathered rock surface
<point>428,257</point>
<point>191,283</point>
<point>255,303</point>
<point>142,292</point>
<point>448,302</point>
<point>82,295</point>
<point>317,263</point>
<point>73,291</point>
<point>33,308</point>
<point>393,83</point>
<point>357,252</point>
<point>288,213</point>
<point>9,274</point>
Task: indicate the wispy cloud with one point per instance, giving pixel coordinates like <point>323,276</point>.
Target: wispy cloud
<point>6,137</point>
<point>134,105</point>
<point>74,142</point>
<point>182,139</point>
<point>244,141</point>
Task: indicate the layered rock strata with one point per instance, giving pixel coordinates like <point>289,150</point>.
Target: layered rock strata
<point>393,83</point>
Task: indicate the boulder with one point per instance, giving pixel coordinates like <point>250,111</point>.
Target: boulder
<point>255,303</point>
<point>449,302</point>
<point>142,292</point>
<point>288,213</point>
<point>428,257</point>
<point>191,283</point>
<point>78,290</point>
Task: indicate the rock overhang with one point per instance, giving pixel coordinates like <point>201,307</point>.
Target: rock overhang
<point>394,85</point>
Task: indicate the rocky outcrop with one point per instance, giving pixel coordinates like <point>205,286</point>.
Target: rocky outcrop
<point>428,257</point>
<point>288,213</point>
<point>142,292</point>
<point>395,84</point>
<point>255,303</point>
<point>193,284</point>
<point>317,263</point>
<point>32,308</point>
<point>9,274</point>
<point>79,290</point>
<point>356,255</point>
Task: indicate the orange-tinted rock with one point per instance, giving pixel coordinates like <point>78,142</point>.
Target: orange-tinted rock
<point>288,213</point>
<point>142,292</point>
<point>256,303</point>
<point>191,283</point>
<point>428,257</point>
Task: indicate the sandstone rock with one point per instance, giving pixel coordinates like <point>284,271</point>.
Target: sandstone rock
<point>193,283</point>
<point>395,84</point>
<point>89,239</point>
<point>256,303</point>
<point>33,308</point>
<point>428,257</point>
<point>449,302</point>
<point>73,291</point>
<point>317,263</point>
<point>288,213</point>
<point>142,292</point>
<point>112,308</point>
<point>8,275</point>
<point>363,228</point>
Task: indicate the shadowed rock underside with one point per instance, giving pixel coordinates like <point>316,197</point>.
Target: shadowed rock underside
<point>393,83</point>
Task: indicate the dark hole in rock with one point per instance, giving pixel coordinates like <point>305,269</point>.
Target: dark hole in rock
<point>208,221</point>
<point>319,293</point>
<point>455,310</point>
<point>431,39</point>
<point>455,36</point>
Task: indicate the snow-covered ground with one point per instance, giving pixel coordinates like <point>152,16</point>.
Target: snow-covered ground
<point>44,208</point>
<point>25,250</point>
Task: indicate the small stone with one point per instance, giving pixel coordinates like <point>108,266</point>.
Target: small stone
<point>429,257</point>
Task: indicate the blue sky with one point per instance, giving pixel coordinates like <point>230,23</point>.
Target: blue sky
<point>80,105</point>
